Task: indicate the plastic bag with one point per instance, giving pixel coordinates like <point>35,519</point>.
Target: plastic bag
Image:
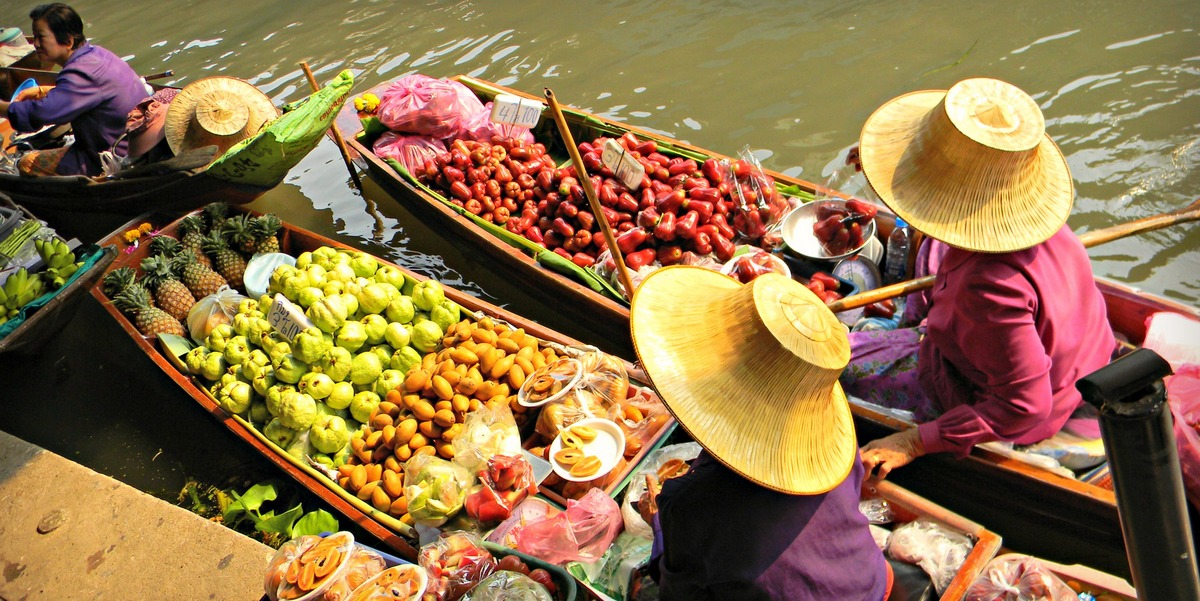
<point>759,206</point>
<point>840,225</point>
<point>612,573</point>
<point>454,562</point>
<point>640,417</point>
<point>212,311</point>
<point>1183,394</point>
<point>315,568</point>
<point>532,511</point>
<point>404,582</point>
<point>504,482</point>
<point>587,383</point>
<point>666,456</point>
<point>480,127</point>
<point>581,533</point>
<point>1014,577</point>
<point>486,431</point>
<point>435,489</point>
<point>938,551</point>
<point>409,150</point>
<point>420,104</point>
<point>508,586</point>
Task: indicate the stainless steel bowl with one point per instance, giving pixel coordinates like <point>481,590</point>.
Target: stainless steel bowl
<point>797,230</point>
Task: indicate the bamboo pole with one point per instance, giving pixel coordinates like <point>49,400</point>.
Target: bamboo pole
<point>590,192</point>
<point>1089,239</point>
<point>337,134</point>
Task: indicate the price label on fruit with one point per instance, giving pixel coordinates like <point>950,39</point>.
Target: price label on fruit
<point>287,318</point>
<point>626,168</point>
<point>515,110</point>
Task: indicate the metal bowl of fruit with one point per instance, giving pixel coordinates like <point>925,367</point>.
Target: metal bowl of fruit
<point>829,230</point>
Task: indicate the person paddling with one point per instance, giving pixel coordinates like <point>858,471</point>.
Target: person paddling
<point>94,92</point>
<point>1015,317</point>
<point>769,510</point>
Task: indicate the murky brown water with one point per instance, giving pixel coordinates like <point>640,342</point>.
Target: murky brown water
<point>1119,83</point>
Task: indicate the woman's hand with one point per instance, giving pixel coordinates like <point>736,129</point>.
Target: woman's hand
<point>891,452</point>
<point>34,93</point>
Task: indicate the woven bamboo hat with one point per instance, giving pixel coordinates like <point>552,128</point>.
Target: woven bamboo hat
<point>751,372</point>
<point>971,166</point>
<point>220,111</point>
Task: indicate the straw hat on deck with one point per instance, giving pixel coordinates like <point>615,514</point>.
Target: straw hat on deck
<point>971,166</point>
<point>220,111</point>
<point>751,372</point>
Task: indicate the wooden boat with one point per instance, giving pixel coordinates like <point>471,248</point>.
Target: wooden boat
<point>1039,510</point>
<point>88,208</point>
<point>393,532</point>
<point>48,320</point>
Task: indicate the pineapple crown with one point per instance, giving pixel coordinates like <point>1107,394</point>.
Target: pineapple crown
<point>183,258</point>
<point>164,245</point>
<point>214,242</point>
<point>216,213</point>
<point>266,226</point>
<point>117,280</point>
<point>192,223</point>
<point>158,269</point>
<point>132,299</point>
<point>238,229</point>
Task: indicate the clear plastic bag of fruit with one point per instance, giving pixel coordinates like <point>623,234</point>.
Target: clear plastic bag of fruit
<point>314,568</point>
<point>409,150</point>
<point>581,533</point>
<point>454,563</point>
<point>937,550</point>
<point>212,311</point>
<point>420,104</point>
<point>487,431</point>
<point>758,205</point>
<point>585,383</point>
<point>503,482</point>
<point>508,586</point>
<point>404,582</point>
<point>640,416</point>
<point>435,489</point>
<point>1015,577</point>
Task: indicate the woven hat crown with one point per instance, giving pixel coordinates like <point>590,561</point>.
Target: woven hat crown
<point>220,111</point>
<point>750,372</point>
<point>971,166</point>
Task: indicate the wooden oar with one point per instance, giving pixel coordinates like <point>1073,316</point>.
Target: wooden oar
<point>590,192</point>
<point>1089,239</point>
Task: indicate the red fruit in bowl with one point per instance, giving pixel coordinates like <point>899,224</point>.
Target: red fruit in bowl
<point>544,578</point>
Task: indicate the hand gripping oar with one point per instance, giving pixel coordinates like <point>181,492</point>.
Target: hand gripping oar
<point>1089,239</point>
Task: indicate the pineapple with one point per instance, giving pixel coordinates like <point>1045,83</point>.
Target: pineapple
<point>266,231</point>
<point>134,301</point>
<point>191,228</point>
<point>164,246</point>
<point>117,280</point>
<point>226,261</point>
<point>239,231</point>
<point>198,278</point>
<point>172,296</point>
<point>216,213</point>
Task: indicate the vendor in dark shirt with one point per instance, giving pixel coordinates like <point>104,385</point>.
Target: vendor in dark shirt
<point>94,92</point>
<point>769,510</point>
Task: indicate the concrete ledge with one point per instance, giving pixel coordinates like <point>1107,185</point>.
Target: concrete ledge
<point>67,532</point>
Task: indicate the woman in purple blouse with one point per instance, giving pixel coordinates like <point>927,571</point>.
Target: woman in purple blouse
<point>1015,317</point>
<point>94,92</point>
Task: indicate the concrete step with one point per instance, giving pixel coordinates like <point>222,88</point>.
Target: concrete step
<point>67,532</point>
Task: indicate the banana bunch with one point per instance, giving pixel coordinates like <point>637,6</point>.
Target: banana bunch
<point>19,290</point>
<point>60,261</point>
<point>367,103</point>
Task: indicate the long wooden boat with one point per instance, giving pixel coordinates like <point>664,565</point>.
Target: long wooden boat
<point>51,315</point>
<point>397,535</point>
<point>88,208</point>
<point>1038,509</point>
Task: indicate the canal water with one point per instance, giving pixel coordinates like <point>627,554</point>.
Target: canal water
<point>1119,83</point>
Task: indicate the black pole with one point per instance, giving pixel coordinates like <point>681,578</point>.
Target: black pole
<point>1135,423</point>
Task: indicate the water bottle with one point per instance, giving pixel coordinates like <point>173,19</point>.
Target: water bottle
<point>895,266</point>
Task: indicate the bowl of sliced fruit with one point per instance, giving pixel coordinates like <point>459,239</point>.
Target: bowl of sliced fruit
<point>829,229</point>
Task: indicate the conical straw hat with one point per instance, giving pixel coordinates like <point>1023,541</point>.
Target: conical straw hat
<point>971,166</point>
<point>220,111</point>
<point>751,372</point>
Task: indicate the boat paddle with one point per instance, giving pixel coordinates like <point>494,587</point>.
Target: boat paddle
<point>1089,239</point>
<point>590,192</point>
<point>337,133</point>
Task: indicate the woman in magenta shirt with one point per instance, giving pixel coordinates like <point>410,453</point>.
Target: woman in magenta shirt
<point>94,92</point>
<point>1015,317</point>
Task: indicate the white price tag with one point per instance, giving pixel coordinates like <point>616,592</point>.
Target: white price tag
<point>287,318</point>
<point>626,168</point>
<point>515,110</point>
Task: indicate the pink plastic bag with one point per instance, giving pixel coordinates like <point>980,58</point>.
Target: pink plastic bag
<point>581,533</point>
<point>1014,577</point>
<point>420,104</point>
<point>410,151</point>
<point>481,128</point>
<point>1183,394</point>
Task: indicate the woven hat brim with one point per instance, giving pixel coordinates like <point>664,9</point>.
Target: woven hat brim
<point>183,134</point>
<point>757,408</point>
<point>963,196</point>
